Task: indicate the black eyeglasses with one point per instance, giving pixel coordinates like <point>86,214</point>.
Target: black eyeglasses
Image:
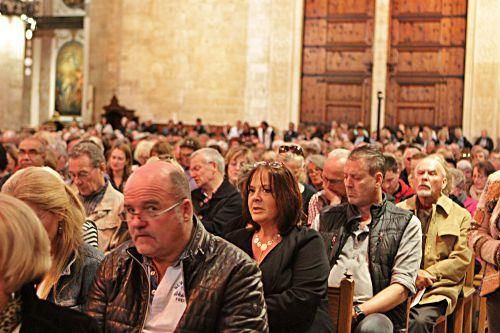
<point>294,149</point>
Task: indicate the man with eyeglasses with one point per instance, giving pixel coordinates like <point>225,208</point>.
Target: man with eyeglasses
<point>103,204</point>
<point>173,275</point>
<point>31,152</point>
<point>333,192</point>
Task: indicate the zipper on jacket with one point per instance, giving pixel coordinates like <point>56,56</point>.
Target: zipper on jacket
<point>149,291</point>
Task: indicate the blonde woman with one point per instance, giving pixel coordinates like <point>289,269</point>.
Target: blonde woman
<point>73,262</point>
<point>24,260</point>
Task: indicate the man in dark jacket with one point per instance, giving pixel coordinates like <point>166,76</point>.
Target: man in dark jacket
<point>376,243</point>
<point>216,202</point>
<point>173,275</point>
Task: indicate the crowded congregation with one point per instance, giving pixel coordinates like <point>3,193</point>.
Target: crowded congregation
<point>282,166</point>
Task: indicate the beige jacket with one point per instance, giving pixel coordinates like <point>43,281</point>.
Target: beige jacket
<point>484,236</point>
<point>446,253</point>
<point>111,230</point>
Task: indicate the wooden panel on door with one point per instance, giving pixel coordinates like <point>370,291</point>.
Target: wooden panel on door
<point>426,62</point>
<point>337,57</point>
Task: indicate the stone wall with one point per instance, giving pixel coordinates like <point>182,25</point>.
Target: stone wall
<point>482,70</point>
<point>178,59</point>
<point>12,72</point>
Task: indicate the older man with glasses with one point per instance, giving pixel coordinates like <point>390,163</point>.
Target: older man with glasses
<point>101,201</point>
<point>31,152</point>
<point>174,276</point>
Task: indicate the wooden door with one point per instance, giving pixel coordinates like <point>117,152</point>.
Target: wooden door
<point>337,61</point>
<point>426,62</point>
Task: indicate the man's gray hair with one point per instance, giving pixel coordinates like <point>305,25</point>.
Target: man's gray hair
<point>339,153</point>
<point>211,155</point>
<point>91,149</point>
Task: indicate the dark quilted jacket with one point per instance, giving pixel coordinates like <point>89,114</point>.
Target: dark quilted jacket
<point>223,289</point>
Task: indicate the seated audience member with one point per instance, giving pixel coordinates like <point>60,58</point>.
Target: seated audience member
<point>161,148</point>
<point>236,159</point>
<point>119,166</point>
<point>186,148</point>
<point>292,258</point>
<point>74,262</point>
<point>485,141</point>
<point>459,193</point>
<point>466,167</point>
<point>173,275</point>
<point>314,167</point>
<point>445,251</point>
<point>407,158</point>
<point>32,152</point>
<point>460,139</point>
<point>4,173</point>
<point>378,244</point>
<point>393,184</point>
<point>292,156</point>
<point>24,261</point>
<point>494,158</point>
<point>479,154</point>
<point>333,192</point>
<point>216,202</point>
<point>484,239</point>
<point>102,203</point>
<point>480,174</point>
<point>142,152</point>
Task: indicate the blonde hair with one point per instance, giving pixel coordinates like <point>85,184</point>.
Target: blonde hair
<point>24,245</point>
<point>44,189</point>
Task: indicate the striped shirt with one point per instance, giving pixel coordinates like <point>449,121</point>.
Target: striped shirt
<point>90,233</point>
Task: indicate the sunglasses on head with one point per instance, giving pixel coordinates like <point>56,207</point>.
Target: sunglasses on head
<point>294,149</point>
<point>271,164</point>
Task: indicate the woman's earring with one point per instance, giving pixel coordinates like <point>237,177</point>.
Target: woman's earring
<point>59,229</point>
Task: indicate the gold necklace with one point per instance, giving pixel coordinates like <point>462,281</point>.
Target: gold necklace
<point>264,246</point>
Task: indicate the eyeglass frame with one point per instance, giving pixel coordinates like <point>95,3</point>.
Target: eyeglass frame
<point>124,213</point>
<point>332,181</point>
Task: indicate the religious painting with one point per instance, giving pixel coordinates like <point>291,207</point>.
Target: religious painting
<point>69,79</point>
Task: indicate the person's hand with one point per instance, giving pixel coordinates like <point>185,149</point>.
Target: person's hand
<point>424,279</point>
<point>333,198</point>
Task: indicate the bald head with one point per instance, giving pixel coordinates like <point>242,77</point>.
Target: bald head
<point>162,176</point>
<point>333,171</point>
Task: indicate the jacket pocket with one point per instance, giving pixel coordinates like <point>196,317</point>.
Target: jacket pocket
<point>447,236</point>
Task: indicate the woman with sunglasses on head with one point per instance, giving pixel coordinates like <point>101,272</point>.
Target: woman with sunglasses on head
<point>74,262</point>
<point>24,260</point>
<point>292,258</point>
<point>292,156</point>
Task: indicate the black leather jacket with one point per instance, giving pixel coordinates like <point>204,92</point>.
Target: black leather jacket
<point>222,284</point>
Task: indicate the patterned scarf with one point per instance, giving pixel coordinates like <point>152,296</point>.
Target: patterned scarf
<point>11,316</point>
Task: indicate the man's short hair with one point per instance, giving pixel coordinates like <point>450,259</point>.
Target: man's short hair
<point>373,157</point>
<point>211,155</point>
<point>391,164</point>
<point>89,148</point>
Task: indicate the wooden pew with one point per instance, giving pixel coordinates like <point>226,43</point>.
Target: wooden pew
<point>340,303</point>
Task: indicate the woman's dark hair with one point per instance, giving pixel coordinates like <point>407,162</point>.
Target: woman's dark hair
<point>485,166</point>
<point>285,190</point>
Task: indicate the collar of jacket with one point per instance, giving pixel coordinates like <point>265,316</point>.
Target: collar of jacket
<point>376,210</point>
<point>193,249</point>
<point>224,189</point>
<point>443,204</point>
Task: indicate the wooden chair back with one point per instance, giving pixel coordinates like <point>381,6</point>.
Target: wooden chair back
<point>340,303</point>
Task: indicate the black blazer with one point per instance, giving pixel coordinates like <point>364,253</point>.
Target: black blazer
<point>222,213</point>
<point>295,277</point>
<point>44,317</point>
